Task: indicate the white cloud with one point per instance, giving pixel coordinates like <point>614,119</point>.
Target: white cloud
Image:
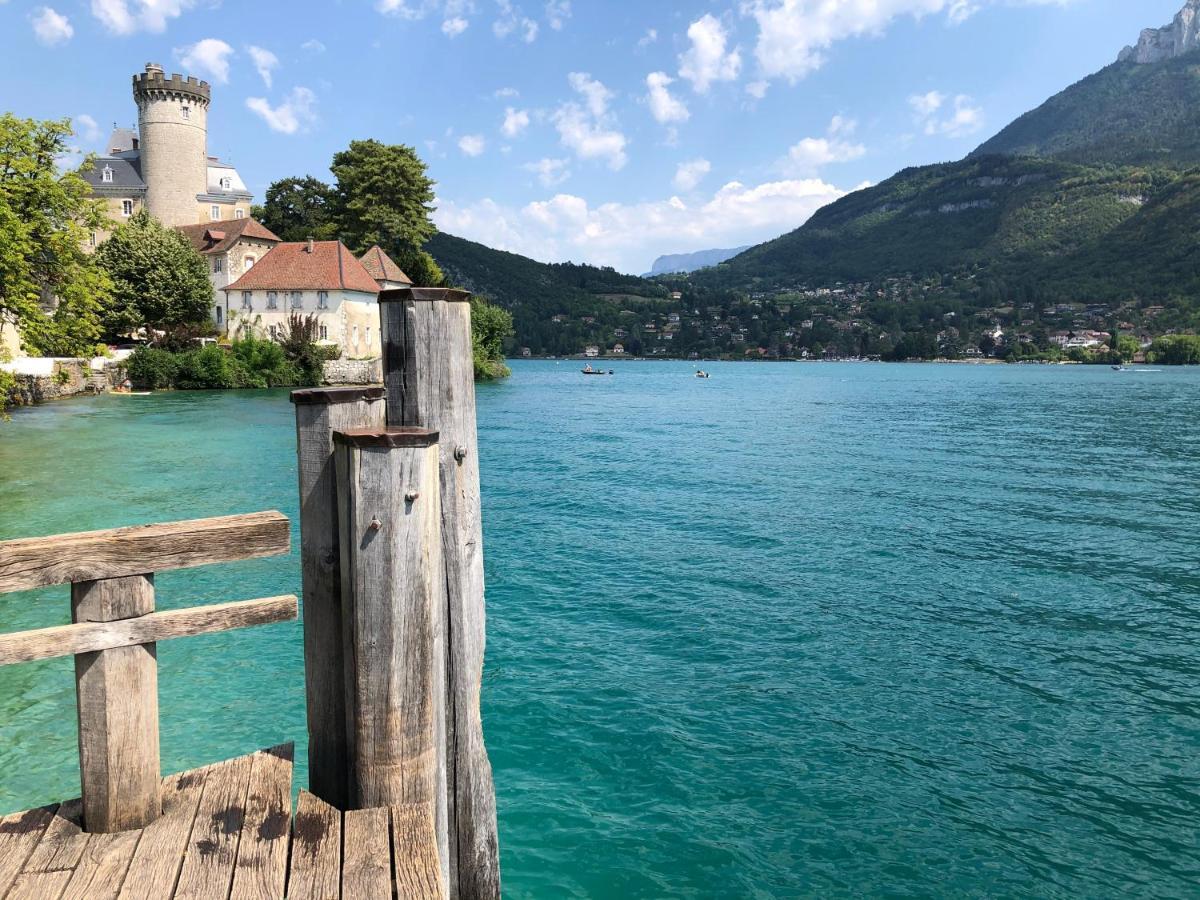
<point>630,236</point>
<point>550,172</point>
<point>650,37</point>
<point>265,62</point>
<point>812,153</point>
<point>690,174</point>
<point>515,121</point>
<point>455,26</point>
<point>925,105</point>
<point>794,35</point>
<point>472,144</point>
<point>962,118</point>
<point>557,13</point>
<point>129,16</point>
<point>313,46</point>
<point>590,131</point>
<point>506,93</point>
<point>49,27</point>
<point>663,106</point>
<point>758,89</point>
<point>511,20</point>
<point>297,113</point>
<point>207,57</point>
<point>87,129</point>
<point>596,94</point>
<point>707,61</point>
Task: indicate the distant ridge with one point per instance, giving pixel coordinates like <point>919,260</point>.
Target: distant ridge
<point>690,262</point>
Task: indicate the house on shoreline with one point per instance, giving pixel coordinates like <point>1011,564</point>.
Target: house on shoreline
<point>321,278</point>
<point>231,249</point>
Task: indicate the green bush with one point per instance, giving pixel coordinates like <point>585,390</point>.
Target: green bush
<point>211,368</point>
<point>264,362</point>
<point>151,368</point>
<point>1175,350</point>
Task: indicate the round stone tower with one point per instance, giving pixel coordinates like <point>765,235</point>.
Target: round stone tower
<point>173,138</point>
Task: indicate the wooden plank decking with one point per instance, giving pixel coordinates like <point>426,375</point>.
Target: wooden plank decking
<point>226,832</point>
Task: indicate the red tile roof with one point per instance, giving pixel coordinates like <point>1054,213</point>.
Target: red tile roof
<point>217,237</point>
<point>291,267</point>
<point>381,267</point>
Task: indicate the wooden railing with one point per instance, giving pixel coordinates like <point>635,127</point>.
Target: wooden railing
<point>114,633</point>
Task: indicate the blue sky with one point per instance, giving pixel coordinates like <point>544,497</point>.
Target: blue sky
<point>607,132</point>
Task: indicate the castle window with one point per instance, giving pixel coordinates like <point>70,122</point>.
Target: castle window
<point>297,300</point>
<point>324,332</point>
<point>272,300</point>
<point>218,264</point>
<point>127,207</point>
<point>355,335</point>
<point>322,299</point>
<point>215,212</point>
<point>92,239</point>
<point>368,335</point>
<point>239,214</point>
<point>226,184</point>
<point>247,302</point>
<point>249,263</point>
<point>217,309</point>
<point>187,112</point>
<point>106,175</point>
<point>274,329</point>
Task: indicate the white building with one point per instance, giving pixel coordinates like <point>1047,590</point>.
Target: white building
<point>230,249</point>
<point>320,278</point>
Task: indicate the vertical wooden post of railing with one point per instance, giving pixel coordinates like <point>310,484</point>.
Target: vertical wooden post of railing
<point>118,711</point>
<point>319,413</point>
<point>389,523</point>
<point>429,376</point>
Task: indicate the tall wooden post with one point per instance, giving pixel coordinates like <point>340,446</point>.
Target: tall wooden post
<point>389,517</point>
<point>319,413</point>
<point>118,711</point>
<point>429,376</point>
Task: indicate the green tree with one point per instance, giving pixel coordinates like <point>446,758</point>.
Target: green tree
<point>297,209</point>
<point>385,197</point>
<point>49,286</point>
<point>159,280</point>
<point>491,326</point>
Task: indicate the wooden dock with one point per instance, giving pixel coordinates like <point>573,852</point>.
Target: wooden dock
<point>226,831</point>
<point>402,802</point>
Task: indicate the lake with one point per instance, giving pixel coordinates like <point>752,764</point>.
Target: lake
<point>823,629</point>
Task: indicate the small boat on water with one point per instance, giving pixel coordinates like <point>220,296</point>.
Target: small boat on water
<point>1118,368</point>
<point>588,370</point>
<point>700,373</point>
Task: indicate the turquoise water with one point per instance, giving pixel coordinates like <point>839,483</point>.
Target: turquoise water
<point>823,630</point>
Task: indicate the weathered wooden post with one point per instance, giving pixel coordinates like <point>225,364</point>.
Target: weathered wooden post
<point>393,589</point>
<point>117,692</point>
<point>319,413</point>
<point>429,376</point>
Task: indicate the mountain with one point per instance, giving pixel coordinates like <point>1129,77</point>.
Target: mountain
<point>1159,44</point>
<point>589,302</point>
<point>690,262</point>
<point>1089,196</point>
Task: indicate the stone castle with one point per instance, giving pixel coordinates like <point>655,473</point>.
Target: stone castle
<point>164,165</point>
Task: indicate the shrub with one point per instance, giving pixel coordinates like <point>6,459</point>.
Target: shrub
<point>151,368</point>
<point>264,362</point>
<point>211,368</point>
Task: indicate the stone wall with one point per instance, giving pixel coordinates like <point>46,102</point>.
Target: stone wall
<point>354,371</point>
<point>57,379</point>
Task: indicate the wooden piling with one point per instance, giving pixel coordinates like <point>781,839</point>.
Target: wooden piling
<point>117,691</point>
<point>393,590</point>
<point>319,413</point>
<point>429,376</point>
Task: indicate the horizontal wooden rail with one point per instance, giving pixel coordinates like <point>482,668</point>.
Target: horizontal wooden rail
<point>89,637</point>
<point>121,552</point>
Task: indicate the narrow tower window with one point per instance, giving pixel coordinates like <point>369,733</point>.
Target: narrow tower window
<point>127,207</point>
<point>215,212</point>
<point>187,112</point>
<point>106,175</point>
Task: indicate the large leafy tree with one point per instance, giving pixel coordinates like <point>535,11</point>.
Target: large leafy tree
<point>385,196</point>
<point>50,289</point>
<point>297,209</point>
<point>159,280</point>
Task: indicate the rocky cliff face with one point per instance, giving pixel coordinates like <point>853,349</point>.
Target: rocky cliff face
<point>1176,39</point>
